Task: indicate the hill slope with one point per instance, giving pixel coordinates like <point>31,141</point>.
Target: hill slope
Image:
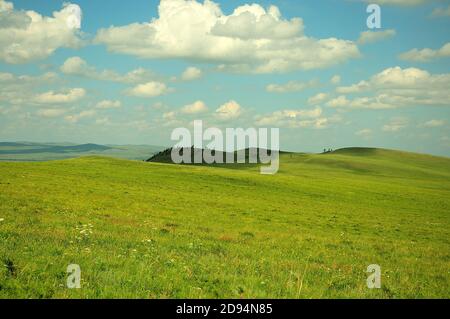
<point>157,230</point>
<point>165,156</point>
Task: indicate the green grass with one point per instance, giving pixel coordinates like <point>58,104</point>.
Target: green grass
<point>180,231</point>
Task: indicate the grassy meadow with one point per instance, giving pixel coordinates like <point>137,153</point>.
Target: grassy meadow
<point>153,230</point>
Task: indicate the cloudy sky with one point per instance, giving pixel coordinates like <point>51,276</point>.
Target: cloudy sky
<point>128,72</point>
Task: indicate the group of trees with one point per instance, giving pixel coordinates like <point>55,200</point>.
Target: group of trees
<point>327,151</point>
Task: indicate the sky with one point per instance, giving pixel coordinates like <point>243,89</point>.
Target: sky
<point>130,72</point>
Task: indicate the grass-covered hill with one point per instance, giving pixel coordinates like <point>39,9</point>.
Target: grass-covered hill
<point>156,230</point>
<point>165,156</point>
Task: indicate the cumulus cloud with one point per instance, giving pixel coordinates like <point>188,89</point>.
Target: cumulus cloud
<point>295,119</point>
<point>149,89</point>
<point>74,118</point>
<point>376,103</point>
<point>229,110</point>
<point>191,73</point>
<point>396,87</point>
<point>251,39</point>
<point>108,104</point>
<point>18,89</point>
<point>79,67</point>
<point>52,97</point>
<point>426,55</point>
<point>291,86</point>
<point>195,108</point>
<point>27,36</point>
<point>395,124</point>
<point>51,113</point>
<point>254,22</point>
<point>340,101</point>
<point>10,79</point>
<point>6,6</point>
<point>318,98</point>
<point>169,115</point>
<point>375,36</point>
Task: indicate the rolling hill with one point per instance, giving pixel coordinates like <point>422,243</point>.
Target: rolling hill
<point>158,230</point>
<point>165,156</point>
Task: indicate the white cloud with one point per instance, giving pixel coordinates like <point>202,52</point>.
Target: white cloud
<point>9,78</point>
<point>295,119</point>
<point>50,113</point>
<point>251,39</point>
<point>191,73</point>
<point>395,124</point>
<point>195,108</point>
<point>229,110</point>
<point>340,101</point>
<point>52,97</point>
<point>433,123</point>
<point>79,67</point>
<point>169,115</point>
<point>396,87</point>
<point>150,89</point>
<point>76,117</point>
<point>18,89</point>
<point>108,104</point>
<point>375,36</point>
<point>291,86</point>
<point>253,22</point>
<point>364,133</point>
<point>317,99</point>
<point>335,80</point>
<point>441,12</point>
<point>6,6</point>
<point>374,103</point>
<point>426,55</point>
<point>27,36</point>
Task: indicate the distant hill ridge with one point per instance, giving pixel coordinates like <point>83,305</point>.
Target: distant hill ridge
<point>32,151</point>
<point>166,157</point>
<point>52,149</point>
<point>373,151</point>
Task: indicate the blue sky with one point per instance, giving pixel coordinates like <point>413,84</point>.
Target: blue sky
<point>243,67</point>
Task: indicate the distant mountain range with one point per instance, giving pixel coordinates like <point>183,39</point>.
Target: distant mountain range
<point>28,151</point>
<point>23,148</point>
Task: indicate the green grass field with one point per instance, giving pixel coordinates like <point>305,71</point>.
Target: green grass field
<point>150,230</point>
